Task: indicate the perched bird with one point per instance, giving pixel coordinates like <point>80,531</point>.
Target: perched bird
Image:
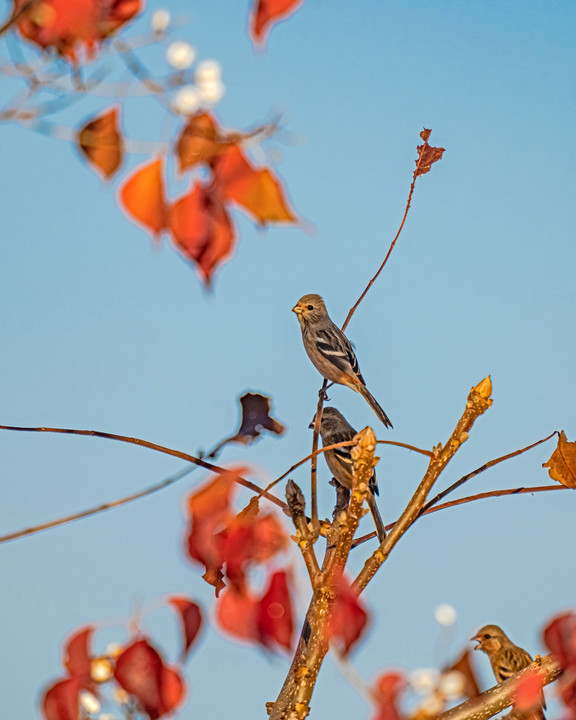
<point>505,657</point>
<point>330,350</point>
<point>334,428</point>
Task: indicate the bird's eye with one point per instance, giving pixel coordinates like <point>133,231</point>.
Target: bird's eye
<point>487,636</point>
<point>310,307</point>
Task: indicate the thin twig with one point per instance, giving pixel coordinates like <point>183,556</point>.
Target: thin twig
<point>481,469</point>
<point>153,446</point>
<point>373,280</point>
<point>314,458</point>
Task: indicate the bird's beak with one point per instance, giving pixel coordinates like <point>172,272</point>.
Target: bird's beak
<point>297,309</point>
<point>476,639</point>
<point>311,426</point>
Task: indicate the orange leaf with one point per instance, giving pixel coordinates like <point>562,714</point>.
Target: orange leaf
<point>142,196</point>
<point>77,657</point>
<point>236,613</point>
<point>202,230</point>
<point>528,694</point>
<point>427,155</point>
<point>268,12</point>
<point>102,144</point>
<point>72,26</point>
<point>256,191</point>
<point>562,463</point>
<point>464,664</point>
<point>386,694</point>
<point>198,142</point>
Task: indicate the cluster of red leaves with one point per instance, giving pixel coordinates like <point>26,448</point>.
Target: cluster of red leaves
<point>229,546</point>
<point>560,637</point>
<point>155,687</point>
<point>70,26</point>
<point>199,222</point>
<point>268,12</point>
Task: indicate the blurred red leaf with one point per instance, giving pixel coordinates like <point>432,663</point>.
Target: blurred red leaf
<point>389,685</point>
<point>274,613</point>
<point>427,155</point>
<point>190,615</point>
<point>209,509</point>
<point>270,537</point>
<point>77,657</point>
<point>528,694</point>
<point>199,141</point>
<point>61,700</point>
<point>256,191</point>
<point>101,142</point>
<point>141,672</point>
<point>236,613</point>
<point>562,463</point>
<point>268,12</point>
<point>72,26</point>
<point>142,196</point>
<point>560,637</point>
<point>202,230</point>
<point>349,618</point>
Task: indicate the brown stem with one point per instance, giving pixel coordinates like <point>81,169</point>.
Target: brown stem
<point>481,469</point>
<point>502,695</point>
<point>478,402</point>
<point>314,460</point>
<point>373,280</point>
<point>297,507</point>
<point>152,446</point>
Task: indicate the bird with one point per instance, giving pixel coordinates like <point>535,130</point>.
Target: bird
<point>505,657</point>
<point>334,428</point>
<point>330,350</point>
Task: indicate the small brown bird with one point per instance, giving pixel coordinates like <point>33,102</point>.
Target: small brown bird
<point>330,350</point>
<point>334,428</point>
<point>505,657</point>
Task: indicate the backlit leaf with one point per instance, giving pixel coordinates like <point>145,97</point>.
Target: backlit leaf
<point>77,655</point>
<point>562,463</point>
<point>101,142</point>
<point>386,693</point>
<point>190,615</point>
<point>61,700</point>
<point>349,618</point>
<point>142,196</point>
<point>198,141</point>
<point>268,12</point>
<point>274,614</point>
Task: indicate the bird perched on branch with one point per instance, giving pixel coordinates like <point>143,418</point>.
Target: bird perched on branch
<point>330,350</point>
<point>334,428</point>
<point>505,657</point>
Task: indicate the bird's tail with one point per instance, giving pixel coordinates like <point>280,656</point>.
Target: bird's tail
<point>371,400</point>
<point>378,524</point>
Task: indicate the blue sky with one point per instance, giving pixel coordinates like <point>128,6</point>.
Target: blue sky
<point>101,330</point>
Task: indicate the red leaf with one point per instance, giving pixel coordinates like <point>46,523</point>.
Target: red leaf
<point>236,614</point>
<point>387,691</point>
<point>190,615</point>
<point>256,191</point>
<point>202,230</point>
<point>142,196</point>
<point>427,155</point>
<point>70,27</point>
<point>268,12</point>
<point>141,672</point>
<point>198,141</point>
<point>209,508</point>
<point>528,694</point>
<point>77,657</point>
<point>270,537</point>
<point>349,618</point>
<point>61,700</point>
<point>102,144</point>
<point>274,613</point>
<point>560,637</point>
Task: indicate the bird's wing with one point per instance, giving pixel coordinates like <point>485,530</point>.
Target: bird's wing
<point>336,348</point>
<point>510,661</point>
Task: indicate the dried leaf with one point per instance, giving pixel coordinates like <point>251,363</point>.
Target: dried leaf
<point>349,618</point>
<point>256,191</point>
<point>268,12</point>
<point>141,672</point>
<point>102,144</point>
<point>61,700</point>
<point>73,27</point>
<point>256,418</point>
<point>274,614</point>
<point>464,664</point>
<point>199,141</point>
<point>202,230</point>
<point>562,463</point>
<point>142,196</point>
<point>427,155</point>
<point>190,615</point>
